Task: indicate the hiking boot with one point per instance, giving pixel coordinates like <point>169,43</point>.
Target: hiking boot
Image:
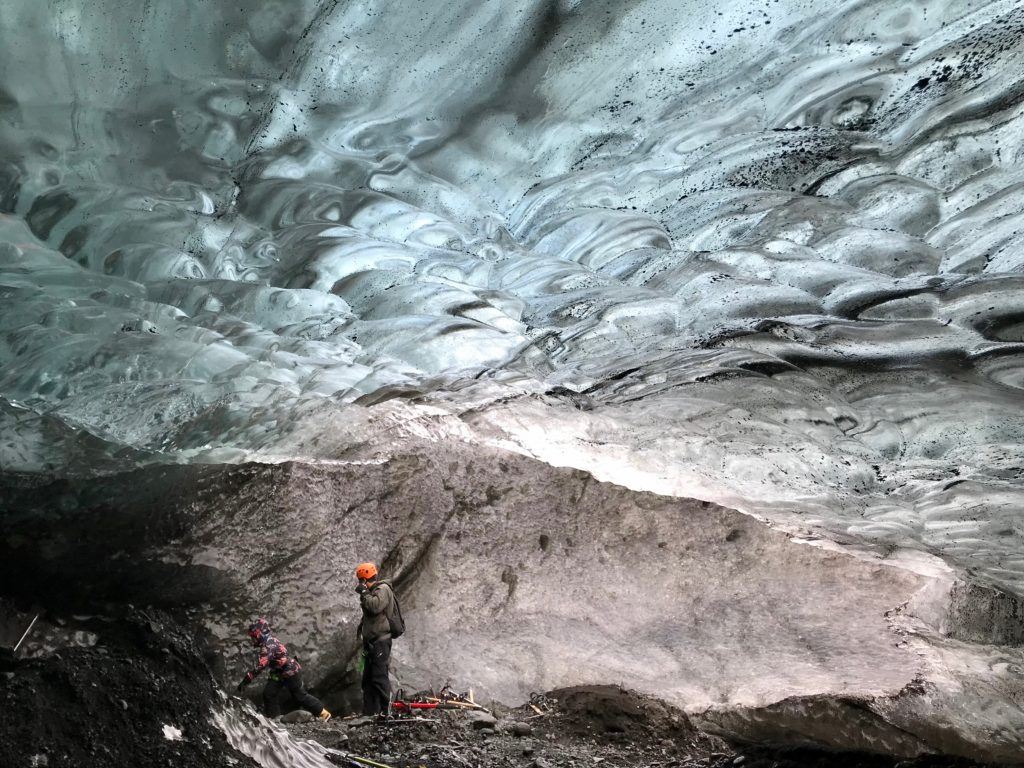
<point>325,715</point>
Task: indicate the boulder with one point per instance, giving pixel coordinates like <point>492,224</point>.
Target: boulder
<point>520,729</point>
<point>297,716</point>
<point>481,720</point>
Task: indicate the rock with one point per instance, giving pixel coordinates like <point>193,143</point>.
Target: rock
<point>297,716</point>
<point>332,738</point>
<point>528,751</point>
<point>540,762</point>
<point>480,720</point>
<point>521,729</point>
<point>739,760</point>
<point>487,731</point>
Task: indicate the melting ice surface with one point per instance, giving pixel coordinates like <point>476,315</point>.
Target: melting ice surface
<point>767,252</point>
<point>266,742</point>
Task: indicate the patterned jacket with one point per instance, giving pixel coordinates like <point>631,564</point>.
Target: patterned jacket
<point>274,657</point>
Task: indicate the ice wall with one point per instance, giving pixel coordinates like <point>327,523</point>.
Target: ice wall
<point>765,253</point>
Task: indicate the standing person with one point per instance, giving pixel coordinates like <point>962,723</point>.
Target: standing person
<point>285,673</point>
<point>382,621</point>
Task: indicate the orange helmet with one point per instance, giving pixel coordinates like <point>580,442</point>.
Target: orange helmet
<point>366,571</point>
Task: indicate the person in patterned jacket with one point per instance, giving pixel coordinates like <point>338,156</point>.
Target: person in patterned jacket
<point>285,672</point>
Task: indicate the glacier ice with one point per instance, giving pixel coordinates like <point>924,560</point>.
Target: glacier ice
<point>771,249</point>
<point>768,254</point>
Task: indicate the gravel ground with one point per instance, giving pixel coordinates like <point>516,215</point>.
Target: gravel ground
<point>586,727</point>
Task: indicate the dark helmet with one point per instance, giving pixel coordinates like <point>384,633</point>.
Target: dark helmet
<point>259,630</point>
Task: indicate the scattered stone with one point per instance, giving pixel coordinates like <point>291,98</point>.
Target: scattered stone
<point>521,729</point>
<point>540,762</point>
<point>297,716</point>
<point>481,720</point>
<point>739,760</point>
<point>124,704</point>
<point>528,751</point>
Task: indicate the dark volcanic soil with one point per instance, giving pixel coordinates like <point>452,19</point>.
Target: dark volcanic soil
<point>583,727</point>
<point>107,705</point>
<point>587,726</point>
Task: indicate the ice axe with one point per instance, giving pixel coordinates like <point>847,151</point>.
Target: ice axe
<point>356,760</point>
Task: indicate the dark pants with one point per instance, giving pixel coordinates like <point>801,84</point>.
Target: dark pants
<point>376,685</point>
<point>296,691</point>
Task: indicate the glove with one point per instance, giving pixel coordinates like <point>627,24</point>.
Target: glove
<point>245,681</point>
<point>361,589</point>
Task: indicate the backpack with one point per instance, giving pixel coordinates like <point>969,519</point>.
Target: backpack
<point>396,623</point>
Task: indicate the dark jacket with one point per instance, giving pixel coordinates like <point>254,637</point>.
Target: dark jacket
<point>378,602</point>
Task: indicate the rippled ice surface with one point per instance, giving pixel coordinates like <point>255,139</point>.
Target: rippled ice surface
<point>769,252</point>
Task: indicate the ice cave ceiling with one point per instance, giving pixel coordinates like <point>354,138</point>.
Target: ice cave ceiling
<point>765,253</point>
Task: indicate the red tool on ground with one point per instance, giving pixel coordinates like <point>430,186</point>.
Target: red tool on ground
<point>445,699</point>
<point>408,706</point>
